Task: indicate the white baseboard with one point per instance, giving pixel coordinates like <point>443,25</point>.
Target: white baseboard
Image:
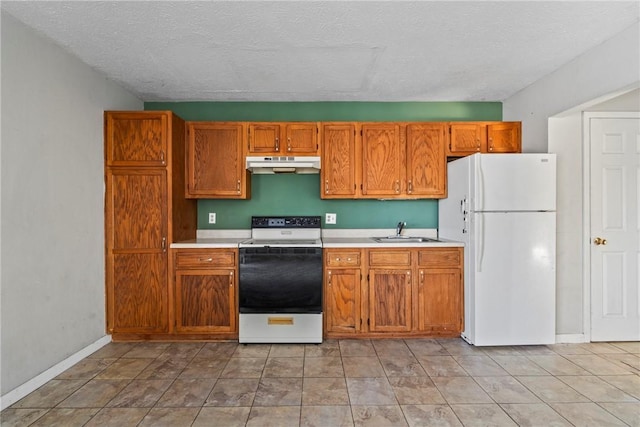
<point>570,338</point>
<point>33,384</point>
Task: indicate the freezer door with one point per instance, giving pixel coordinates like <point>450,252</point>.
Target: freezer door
<point>514,182</point>
<point>511,279</point>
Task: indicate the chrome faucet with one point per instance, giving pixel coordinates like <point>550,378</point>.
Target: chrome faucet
<point>399,228</point>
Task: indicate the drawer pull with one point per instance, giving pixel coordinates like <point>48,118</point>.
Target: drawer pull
<point>280,320</point>
<point>205,259</point>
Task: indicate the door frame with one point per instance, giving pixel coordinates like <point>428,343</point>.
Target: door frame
<point>586,208</point>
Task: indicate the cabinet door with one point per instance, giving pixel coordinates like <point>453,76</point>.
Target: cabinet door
<point>137,292</point>
<point>342,308</point>
<point>205,301</point>
<point>338,161</point>
<point>440,300</point>
<point>136,245</point>
<point>466,138</point>
<point>215,165</point>
<point>136,138</point>
<point>389,300</point>
<point>264,138</point>
<point>426,160</point>
<point>136,209</point>
<point>301,139</point>
<point>504,137</point>
<point>382,160</point>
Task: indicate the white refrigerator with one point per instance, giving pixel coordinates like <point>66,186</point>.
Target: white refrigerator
<point>502,206</point>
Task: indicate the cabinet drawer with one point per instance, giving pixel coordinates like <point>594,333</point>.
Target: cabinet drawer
<point>450,257</point>
<point>392,258</point>
<point>205,259</point>
<point>339,259</point>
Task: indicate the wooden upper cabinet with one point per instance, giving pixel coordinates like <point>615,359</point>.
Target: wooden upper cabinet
<point>383,152</point>
<point>293,139</point>
<point>136,138</point>
<point>215,164</point>
<point>338,171</point>
<point>301,139</point>
<point>504,137</point>
<point>264,138</point>
<point>426,160</point>
<point>467,138</point>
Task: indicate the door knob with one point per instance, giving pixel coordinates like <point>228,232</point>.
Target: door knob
<point>599,241</point>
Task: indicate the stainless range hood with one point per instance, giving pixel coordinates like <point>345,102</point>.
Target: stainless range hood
<point>283,164</point>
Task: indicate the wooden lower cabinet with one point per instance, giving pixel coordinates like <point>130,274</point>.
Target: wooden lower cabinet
<point>439,300</point>
<point>205,292</point>
<point>389,300</point>
<point>393,292</point>
<point>342,296</point>
<point>138,295</point>
<point>440,290</point>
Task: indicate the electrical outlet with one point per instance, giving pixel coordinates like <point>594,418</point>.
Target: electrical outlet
<point>330,218</point>
<point>212,217</point>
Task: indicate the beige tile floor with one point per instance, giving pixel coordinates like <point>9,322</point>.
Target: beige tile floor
<point>414,382</point>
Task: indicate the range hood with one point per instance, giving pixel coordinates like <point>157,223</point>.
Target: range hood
<point>283,164</point>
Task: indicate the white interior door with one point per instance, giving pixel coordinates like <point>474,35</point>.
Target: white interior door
<point>615,187</point>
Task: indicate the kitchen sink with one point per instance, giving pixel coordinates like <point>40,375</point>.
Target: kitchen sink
<point>404,239</point>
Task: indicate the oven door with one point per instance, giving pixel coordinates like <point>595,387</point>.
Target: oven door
<point>280,280</point>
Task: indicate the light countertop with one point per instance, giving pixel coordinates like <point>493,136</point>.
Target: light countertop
<point>331,238</point>
<point>366,242</point>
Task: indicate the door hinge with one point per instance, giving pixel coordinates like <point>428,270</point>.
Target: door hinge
<point>368,322</point>
<point>367,277</point>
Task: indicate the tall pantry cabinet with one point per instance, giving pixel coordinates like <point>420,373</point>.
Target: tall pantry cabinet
<point>145,210</point>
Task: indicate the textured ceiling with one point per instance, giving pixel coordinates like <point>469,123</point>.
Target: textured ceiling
<point>326,51</point>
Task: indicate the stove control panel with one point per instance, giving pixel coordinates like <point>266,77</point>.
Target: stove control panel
<point>285,222</point>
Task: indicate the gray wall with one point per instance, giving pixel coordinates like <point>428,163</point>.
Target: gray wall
<point>610,67</point>
<point>551,114</point>
<point>52,208</point>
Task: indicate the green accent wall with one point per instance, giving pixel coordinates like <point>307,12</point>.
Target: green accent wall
<point>289,194</point>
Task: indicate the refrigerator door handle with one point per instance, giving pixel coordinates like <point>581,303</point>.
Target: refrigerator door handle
<point>464,212</point>
<point>479,242</point>
<point>480,184</point>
